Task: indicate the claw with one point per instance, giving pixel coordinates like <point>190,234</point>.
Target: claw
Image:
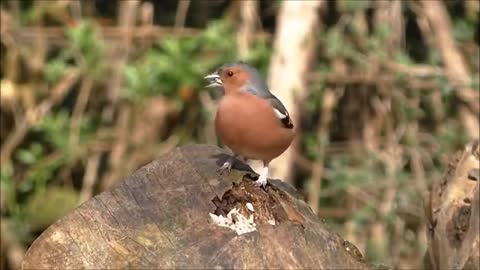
<point>262,179</point>
<point>261,182</point>
<point>227,166</point>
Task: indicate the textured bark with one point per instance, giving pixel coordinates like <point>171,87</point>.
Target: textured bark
<point>292,55</point>
<point>453,214</point>
<point>159,218</point>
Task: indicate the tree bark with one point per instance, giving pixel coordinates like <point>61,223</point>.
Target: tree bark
<point>452,212</point>
<point>161,217</point>
<point>293,49</point>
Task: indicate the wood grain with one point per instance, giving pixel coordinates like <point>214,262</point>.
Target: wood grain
<point>159,218</point>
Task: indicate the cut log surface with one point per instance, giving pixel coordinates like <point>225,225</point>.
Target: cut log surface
<point>161,217</point>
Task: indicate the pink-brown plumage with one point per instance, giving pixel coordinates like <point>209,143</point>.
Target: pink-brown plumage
<point>248,125</point>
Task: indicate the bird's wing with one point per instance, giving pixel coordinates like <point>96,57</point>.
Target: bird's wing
<point>280,111</point>
<point>276,104</point>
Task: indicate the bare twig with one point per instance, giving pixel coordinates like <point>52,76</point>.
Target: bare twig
<point>80,106</point>
<point>75,9</point>
<point>89,177</point>
<point>457,72</point>
<point>13,249</point>
<point>146,19</point>
<point>119,148</point>
<point>328,103</point>
<point>329,100</point>
<point>128,14</point>
<point>56,35</point>
<point>246,30</point>
<point>209,106</point>
<point>181,15</point>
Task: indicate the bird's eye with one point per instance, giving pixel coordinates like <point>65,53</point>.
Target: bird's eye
<point>230,73</point>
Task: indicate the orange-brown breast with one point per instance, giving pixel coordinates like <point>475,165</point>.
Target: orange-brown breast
<point>248,125</point>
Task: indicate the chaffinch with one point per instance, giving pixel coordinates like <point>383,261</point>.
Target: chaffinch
<point>250,120</point>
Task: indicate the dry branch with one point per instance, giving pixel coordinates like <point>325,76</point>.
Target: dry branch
<point>456,69</point>
<point>453,214</point>
<point>56,35</point>
<point>159,218</point>
<point>246,31</point>
<point>9,244</point>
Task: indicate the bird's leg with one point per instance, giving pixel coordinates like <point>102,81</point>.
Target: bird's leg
<point>262,179</point>
<point>227,166</point>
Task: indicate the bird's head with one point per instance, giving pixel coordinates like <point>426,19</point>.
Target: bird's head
<point>236,76</point>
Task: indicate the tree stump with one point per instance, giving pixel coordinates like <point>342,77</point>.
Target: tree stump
<point>453,214</point>
<point>175,213</point>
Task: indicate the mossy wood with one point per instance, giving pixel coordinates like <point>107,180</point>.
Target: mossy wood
<point>159,218</point>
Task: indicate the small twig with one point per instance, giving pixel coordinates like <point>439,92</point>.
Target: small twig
<point>146,19</point>
<point>209,106</point>
<point>80,106</point>
<point>75,7</point>
<point>89,177</point>
<point>56,35</point>
<point>181,15</point>
<point>12,247</point>
<point>127,18</point>
<point>119,148</point>
<point>246,29</point>
<point>329,101</point>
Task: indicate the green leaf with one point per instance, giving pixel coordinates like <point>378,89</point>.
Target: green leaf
<point>44,208</point>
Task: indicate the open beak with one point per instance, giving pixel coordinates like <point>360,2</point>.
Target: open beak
<point>214,80</point>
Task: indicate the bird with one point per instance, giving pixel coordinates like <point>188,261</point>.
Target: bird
<point>250,120</point>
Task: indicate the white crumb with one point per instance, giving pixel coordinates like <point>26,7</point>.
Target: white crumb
<point>235,221</point>
<point>250,207</point>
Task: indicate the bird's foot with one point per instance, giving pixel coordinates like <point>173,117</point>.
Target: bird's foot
<point>262,179</point>
<point>261,182</point>
<point>226,167</point>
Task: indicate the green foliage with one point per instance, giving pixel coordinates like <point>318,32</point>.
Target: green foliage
<point>54,127</point>
<point>42,165</point>
<point>7,187</point>
<point>402,58</point>
<point>475,82</point>
<point>351,6</point>
<point>184,61</point>
<point>345,174</point>
<point>55,69</point>
<point>463,30</point>
<point>86,47</point>
<point>47,206</point>
<point>31,155</point>
<point>83,48</point>
<point>178,62</point>
<point>259,56</point>
<point>334,42</point>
